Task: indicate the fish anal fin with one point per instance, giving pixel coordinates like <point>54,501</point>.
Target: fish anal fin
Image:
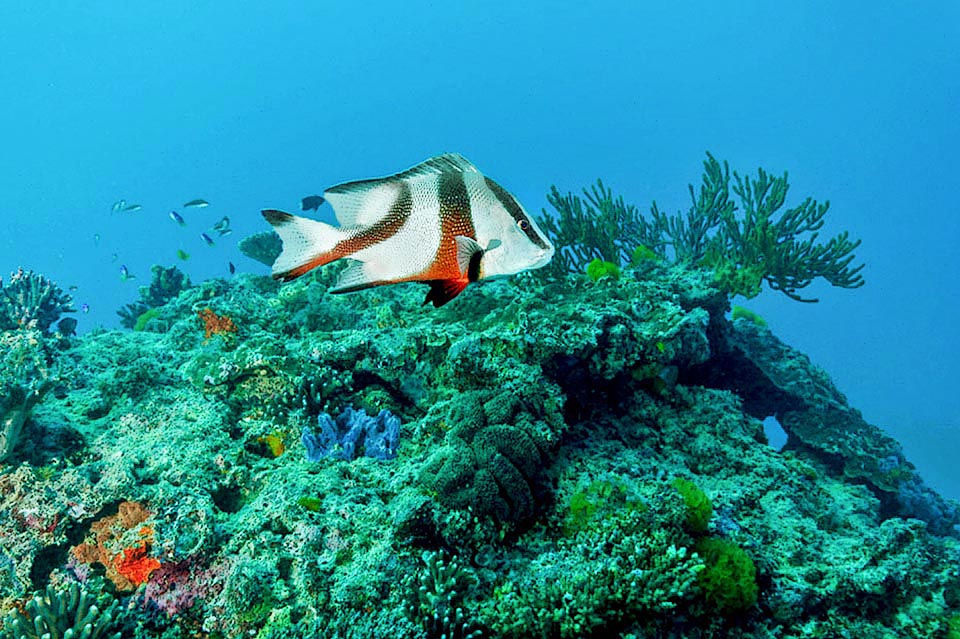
<point>442,291</point>
<point>294,273</point>
<point>354,278</point>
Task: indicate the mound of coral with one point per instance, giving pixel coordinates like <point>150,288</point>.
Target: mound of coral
<point>577,457</point>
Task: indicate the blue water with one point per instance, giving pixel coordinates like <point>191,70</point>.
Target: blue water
<point>251,107</point>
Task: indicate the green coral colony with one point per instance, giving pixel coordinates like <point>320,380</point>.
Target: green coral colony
<point>580,451</point>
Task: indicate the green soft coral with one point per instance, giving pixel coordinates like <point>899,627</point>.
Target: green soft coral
<point>68,613</point>
<point>745,241</point>
<point>765,242</point>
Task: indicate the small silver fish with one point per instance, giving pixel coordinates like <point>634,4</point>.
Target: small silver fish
<point>118,206</point>
<point>176,217</point>
<point>125,273</point>
<point>441,222</point>
<point>223,226</point>
<point>206,238</point>
<point>132,208</point>
<point>196,204</point>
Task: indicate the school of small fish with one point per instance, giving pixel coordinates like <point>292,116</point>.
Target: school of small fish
<point>440,222</point>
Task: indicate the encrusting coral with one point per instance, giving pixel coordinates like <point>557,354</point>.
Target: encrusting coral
<point>26,375</point>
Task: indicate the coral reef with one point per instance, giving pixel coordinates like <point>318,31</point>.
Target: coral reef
<point>214,324</point>
<point>119,543</point>
<point>263,247</point>
<point>166,283</point>
<point>581,457</point>
<point>437,600</point>
<point>65,614</point>
<point>776,381</point>
<point>26,375</point>
<point>29,300</point>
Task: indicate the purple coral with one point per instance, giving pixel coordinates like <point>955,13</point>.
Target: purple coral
<point>176,586</point>
<point>342,438</point>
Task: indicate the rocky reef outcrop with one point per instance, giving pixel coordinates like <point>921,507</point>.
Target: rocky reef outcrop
<point>576,458</point>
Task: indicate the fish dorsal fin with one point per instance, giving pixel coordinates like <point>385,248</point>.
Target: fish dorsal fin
<point>445,163</point>
<point>364,202</point>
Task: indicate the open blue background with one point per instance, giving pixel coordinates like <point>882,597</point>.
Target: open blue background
<point>250,107</point>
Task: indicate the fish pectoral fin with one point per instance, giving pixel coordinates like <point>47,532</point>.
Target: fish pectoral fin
<point>442,291</point>
<point>466,248</point>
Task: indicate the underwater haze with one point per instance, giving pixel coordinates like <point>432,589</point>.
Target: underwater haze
<point>256,107</point>
<point>253,106</point>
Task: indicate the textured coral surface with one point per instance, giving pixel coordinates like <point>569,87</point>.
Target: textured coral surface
<point>576,458</point>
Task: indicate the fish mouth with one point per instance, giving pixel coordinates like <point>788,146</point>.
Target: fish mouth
<point>543,257</point>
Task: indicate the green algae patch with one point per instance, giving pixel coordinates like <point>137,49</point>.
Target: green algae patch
<point>729,581</point>
<point>953,627</point>
<point>598,269</point>
<point>604,498</point>
<point>699,507</point>
<point>144,318</point>
<point>313,504</point>
<point>642,254</point>
<point>739,312</point>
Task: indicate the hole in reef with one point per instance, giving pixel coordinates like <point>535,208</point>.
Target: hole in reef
<point>774,432</point>
<point>228,498</point>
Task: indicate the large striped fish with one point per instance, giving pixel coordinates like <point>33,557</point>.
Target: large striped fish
<point>440,222</point>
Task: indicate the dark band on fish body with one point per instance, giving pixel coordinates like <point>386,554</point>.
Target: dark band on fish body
<point>473,271</point>
<point>456,218</point>
<point>516,211</point>
<point>383,229</point>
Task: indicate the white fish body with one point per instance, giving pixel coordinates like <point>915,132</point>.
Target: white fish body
<point>440,222</point>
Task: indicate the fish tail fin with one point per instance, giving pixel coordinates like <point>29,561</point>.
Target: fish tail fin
<point>307,244</point>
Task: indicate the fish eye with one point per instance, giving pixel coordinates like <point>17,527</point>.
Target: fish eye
<point>523,224</point>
